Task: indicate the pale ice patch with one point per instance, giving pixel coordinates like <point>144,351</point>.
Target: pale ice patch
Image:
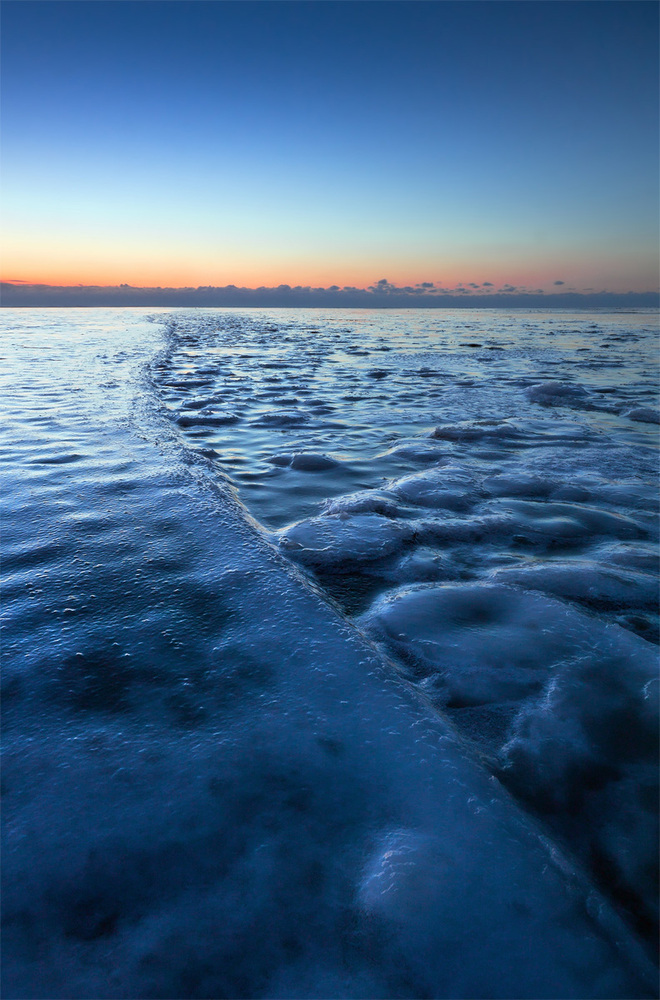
<point>446,487</point>
<point>215,418</point>
<point>337,542</point>
<point>363,502</point>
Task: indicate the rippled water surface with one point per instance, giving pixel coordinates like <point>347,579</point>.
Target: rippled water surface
<point>294,602</point>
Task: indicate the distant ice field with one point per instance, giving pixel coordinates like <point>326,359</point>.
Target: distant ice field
<point>330,653</point>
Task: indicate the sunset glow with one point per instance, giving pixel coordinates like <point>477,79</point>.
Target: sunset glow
<point>171,144</point>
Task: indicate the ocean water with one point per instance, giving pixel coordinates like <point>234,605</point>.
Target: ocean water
<point>329,653</point>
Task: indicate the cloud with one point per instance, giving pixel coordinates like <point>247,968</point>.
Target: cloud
<point>559,282</point>
<point>382,294</point>
<point>487,284</point>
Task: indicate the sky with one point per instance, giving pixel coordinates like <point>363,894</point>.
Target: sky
<point>479,145</point>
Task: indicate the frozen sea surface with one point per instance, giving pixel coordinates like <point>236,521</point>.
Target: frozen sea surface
<point>329,654</point>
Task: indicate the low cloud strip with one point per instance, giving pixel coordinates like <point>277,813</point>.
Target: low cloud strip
<point>382,294</point>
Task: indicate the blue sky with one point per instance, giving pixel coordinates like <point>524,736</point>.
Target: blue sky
<point>317,143</point>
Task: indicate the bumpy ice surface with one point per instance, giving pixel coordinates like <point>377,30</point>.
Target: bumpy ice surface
<point>328,659</point>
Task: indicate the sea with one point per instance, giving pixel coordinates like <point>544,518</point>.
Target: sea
<point>329,653</point>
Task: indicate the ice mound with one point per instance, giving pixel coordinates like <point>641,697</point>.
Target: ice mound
<point>363,502</point>
<point>584,755</point>
<point>586,582</point>
<point>644,415</point>
<point>485,529</point>
<point>566,520</point>
<point>626,492</point>
<point>211,419</point>
<point>62,458</point>
<point>477,430</point>
<point>447,487</point>
<point>558,394</point>
<point>200,402</point>
<point>304,461</point>
<point>564,705</point>
<point>416,452</point>
<point>642,557</point>
<point>281,418</point>
<point>421,565</point>
<point>337,542</point>
<point>480,643</point>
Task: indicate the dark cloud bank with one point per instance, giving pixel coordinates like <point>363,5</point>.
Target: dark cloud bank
<point>382,294</point>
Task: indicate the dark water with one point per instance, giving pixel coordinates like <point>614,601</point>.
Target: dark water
<point>395,737</point>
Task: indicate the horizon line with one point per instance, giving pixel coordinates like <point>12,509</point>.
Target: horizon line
<point>381,294</point>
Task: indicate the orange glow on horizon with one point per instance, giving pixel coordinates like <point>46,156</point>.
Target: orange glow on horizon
<point>161,272</point>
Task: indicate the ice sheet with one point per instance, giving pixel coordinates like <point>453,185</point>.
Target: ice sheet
<point>213,783</point>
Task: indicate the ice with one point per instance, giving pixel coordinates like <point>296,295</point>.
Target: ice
<point>447,487</point>
<point>585,756</point>
<point>644,415</point>
<point>336,541</point>
<point>478,430</point>
<point>567,707</point>
<point>418,452</point>
<point>586,582</point>
<point>304,461</point>
<point>520,485</point>
<point>559,519</point>
<point>558,394</point>
<point>387,773</point>
<point>481,643</point>
<point>203,419</point>
<point>282,418</point>
<point>364,502</point>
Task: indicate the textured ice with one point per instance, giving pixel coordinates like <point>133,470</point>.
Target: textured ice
<point>204,419</point>
<point>558,394</point>
<point>364,502</point>
<point>304,461</point>
<point>214,783</point>
<point>588,583</point>
<point>520,485</point>
<point>478,430</point>
<point>480,643</point>
<point>282,418</point>
<point>585,756</point>
<point>559,519</point>
<point>337,541</point>
<point>447,487</point>
<point>644,414</point>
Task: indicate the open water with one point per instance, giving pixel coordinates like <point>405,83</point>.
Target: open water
<point>330,653</point>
